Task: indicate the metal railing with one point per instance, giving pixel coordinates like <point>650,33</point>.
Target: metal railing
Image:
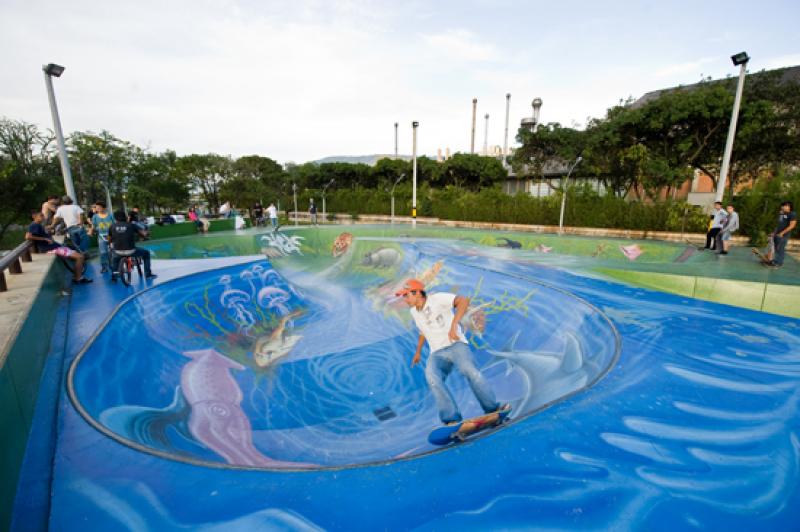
<point>12,261</point>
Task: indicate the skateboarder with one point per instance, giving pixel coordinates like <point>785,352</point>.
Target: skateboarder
<point>438,324</point>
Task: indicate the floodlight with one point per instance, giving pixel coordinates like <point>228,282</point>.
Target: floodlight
<point>740,59</point>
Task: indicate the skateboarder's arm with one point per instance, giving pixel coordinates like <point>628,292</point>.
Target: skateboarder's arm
<point>461,304</point>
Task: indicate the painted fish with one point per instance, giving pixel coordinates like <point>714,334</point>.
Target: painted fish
<point>513,244</point>
<point>341,244</point>
<point>543,249</point>
<point>278,344</point>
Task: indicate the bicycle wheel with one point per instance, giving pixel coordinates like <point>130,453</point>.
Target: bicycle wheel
<point>124,270</point>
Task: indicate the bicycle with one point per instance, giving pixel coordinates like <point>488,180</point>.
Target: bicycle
<point>125,268</point>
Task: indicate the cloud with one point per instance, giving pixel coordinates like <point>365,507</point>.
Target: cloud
<point>460,45</point>
<point>782,61</point>
<point>687,68</point>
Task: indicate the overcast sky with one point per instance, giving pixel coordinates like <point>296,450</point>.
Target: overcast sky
<point>304,79</point>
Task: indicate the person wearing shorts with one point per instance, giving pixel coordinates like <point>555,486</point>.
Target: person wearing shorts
<point>44,243</point>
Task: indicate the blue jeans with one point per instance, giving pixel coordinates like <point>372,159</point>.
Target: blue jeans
<point>79,237</point>
<point>439,366</point>
<point>274,222</point>
<point>102,244</point>
<point>144,254</point>
<point>780,249</point>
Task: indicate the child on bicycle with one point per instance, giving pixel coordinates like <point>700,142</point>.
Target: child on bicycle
<point>122,235</point>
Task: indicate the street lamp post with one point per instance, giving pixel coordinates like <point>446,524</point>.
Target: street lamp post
<point>505,141</point>
<point>414,126</point>
<point>486,136</point>
<point>741,60</point>
<point>324,216</point>
<point>294,193</point>
<point>393,186</point>
<point>51,70</point>
<point>564,195</point>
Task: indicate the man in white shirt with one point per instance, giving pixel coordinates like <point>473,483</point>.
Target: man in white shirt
<point>272,212</point>
<point>439,325</point>
<point>717,219</point>
<point>73,218</point>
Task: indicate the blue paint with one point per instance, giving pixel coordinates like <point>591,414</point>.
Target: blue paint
<point>695,424</point>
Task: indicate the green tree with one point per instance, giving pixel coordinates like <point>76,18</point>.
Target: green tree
<point>470,171</point>
<point>205,174</point>
<point>28,171</point>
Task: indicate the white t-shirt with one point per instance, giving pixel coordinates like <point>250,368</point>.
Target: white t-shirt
<point>434,320</point>
<point>272,211</point>
<point>719,218</point>
<point>71,214</point>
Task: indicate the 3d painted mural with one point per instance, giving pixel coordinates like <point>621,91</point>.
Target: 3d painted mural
<point>276,391</point>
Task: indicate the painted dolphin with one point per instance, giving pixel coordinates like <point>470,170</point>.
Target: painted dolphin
<point>216,419</point>
<point>631,252</point>
<point>277,345</point>
<point>547,375</point>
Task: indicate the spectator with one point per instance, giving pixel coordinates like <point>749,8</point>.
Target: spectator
<point>715,225</point>
<point>258,214</point>
<point>312,210</point>
<point>49,208</point>
<point>123,242</point>
<point>272,212</point>
<point>225,210</point>
<point>135,217</point>
<point>729,226</point>
<point>166,219</point>
<point>101,221</point>
<point>193,216</point>
<point>787,221</point>
<point>74,219</point>
<point>44,244</point>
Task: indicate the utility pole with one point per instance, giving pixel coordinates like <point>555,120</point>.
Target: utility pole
<point>505,142</point>
<point>486,136</point>
<point>739,59</point>
<point>395,140</point>
<point>414,126</point>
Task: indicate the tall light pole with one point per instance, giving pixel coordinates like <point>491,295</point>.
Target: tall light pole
<point>472,138</point>
<point>505,141</point>
<point>323,198</point>
<point>294,193</point>
<point>564,195</point>
<point>51,70</point>
<point>414,126</point>
<point>741,60</point>
<point>395,140</point>
<point>486,136</point>
<point>393,186</point>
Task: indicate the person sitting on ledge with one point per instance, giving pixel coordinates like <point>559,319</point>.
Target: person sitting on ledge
<point>44,243</point>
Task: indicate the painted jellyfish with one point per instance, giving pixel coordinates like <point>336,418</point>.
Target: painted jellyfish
<point>234,300</point>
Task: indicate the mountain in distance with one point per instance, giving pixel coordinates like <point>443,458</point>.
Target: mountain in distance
<point>355,159</point>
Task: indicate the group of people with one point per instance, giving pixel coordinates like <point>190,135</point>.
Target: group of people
<point>258,211</point>
<point>116,235</point>
<point>722,225</point>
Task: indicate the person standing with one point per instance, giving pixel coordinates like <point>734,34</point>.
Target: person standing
<point>312,210</point>
<point>49,208</point>
<point>272,212</point>
<point>101,221</point>
<point>717,217</point>
<point>74,219</point>
<point>439,325</point>
<point>729,226</point>
<point>258,214</point>
<point>787,221</point>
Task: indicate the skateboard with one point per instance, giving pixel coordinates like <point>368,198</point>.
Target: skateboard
<point>459,432</point>
<point>763,258</point>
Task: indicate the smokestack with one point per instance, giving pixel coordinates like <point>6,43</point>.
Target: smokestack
<point>447,153</point>
<point>438,155</point>
<point>474,111</point>
<point>395,140</point>
<point>486,136</point>
<point>505,142</point>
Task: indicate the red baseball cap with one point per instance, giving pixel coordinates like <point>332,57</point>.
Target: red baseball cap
<point>408,286</point>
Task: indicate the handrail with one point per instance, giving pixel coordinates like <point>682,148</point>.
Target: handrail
<point>11,262</point>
